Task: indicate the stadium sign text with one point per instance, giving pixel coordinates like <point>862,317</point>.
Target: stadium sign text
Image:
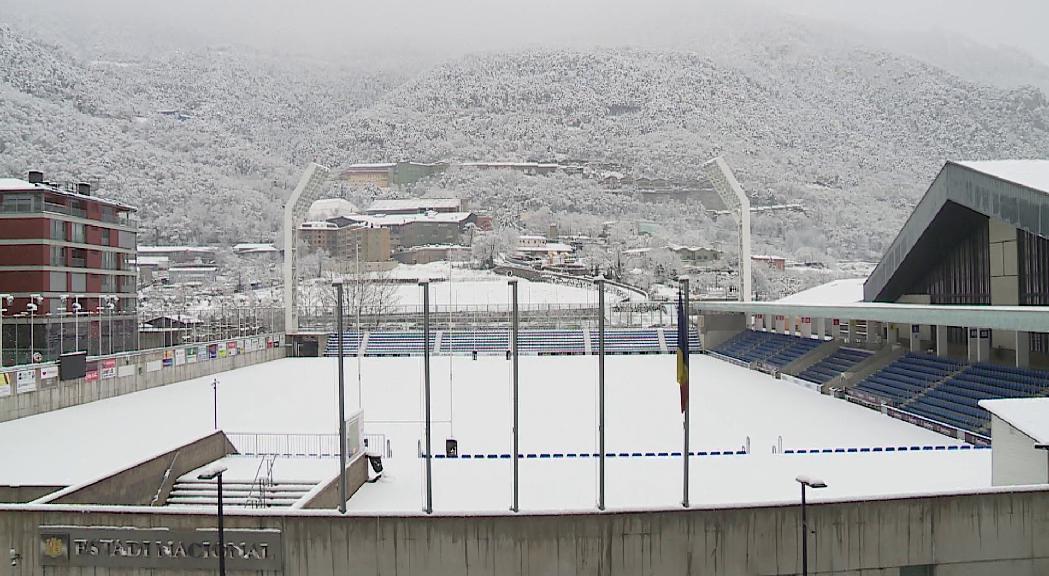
<point>75,546</point>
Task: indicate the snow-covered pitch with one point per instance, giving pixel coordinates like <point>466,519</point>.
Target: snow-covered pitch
<point>730,406</point>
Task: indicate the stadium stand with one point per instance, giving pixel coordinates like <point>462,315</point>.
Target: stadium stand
<point>491,341</point>
<point>767,347</point>
<point>670,333</point>
<point>484,341</point>
<point>834,365</point>
<point>948,391</point>
<point>629,341</point>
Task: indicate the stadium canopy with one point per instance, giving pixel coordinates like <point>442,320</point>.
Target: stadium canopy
<point>1015,192</point>
<point>1022,318</point>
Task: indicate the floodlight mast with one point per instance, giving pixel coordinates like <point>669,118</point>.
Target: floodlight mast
<point>305,194</point>
<point>731,193</point>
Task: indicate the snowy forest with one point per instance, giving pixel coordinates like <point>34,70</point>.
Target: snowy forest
<point>208,141</point>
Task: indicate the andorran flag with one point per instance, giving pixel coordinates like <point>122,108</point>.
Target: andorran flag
<point>682,350</point>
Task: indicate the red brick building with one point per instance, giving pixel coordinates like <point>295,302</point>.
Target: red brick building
<point>68,247</point>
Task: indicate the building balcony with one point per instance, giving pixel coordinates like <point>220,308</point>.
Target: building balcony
<point>50,207</point>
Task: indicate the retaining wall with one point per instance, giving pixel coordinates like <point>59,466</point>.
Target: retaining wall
<point>961,535</point>
<point>131,372</point>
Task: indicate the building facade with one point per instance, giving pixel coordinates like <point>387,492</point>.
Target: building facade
<point>65,259</point>
<point>348,243</point>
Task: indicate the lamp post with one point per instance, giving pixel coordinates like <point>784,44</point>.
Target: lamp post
<point>76,322</point>
<point>337,284</point>
<point>111,301</point>
<point>806,482</point>
<point>5,299</point>
<point>216,474</point>
<point>98,310</point>
<point>32,307</point>
<point>1044,447</point>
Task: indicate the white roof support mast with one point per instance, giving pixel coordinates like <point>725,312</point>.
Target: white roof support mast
<point>731,193</point>
<point>305,194</point>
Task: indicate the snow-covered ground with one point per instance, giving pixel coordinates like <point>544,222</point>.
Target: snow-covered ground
<point>729,405</point>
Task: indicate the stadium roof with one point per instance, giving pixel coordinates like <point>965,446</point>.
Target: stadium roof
<point>1023,318</point>
<point>1033,174</point>
<point>1013,191</point>
<point>1028,415</point>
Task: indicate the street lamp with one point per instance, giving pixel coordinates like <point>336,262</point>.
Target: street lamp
<point>338,285</point>
<point>110,300</point>
<point>216,474</point>
<point>76,322</point>
<point>806,482</point>
<point>1044,447</point>
<point>32,307</point>
<point>62,311</point>
<point>5,299</point>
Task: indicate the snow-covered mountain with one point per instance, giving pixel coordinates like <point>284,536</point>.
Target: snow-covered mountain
<point>207,141</point>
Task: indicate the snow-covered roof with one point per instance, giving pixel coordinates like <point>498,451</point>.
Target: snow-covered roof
<point>414,204</point>
<point>766,257</point>
<point>1033,174</point>
<point>192,269</point>
<point>165,249</point>
<point>323,225</point>
<point>371,166</point>
<point>548,247</point>
<point>328,207</point>
<point>151,260</point>
<point>401,219</point>
<point>254,247</point>
<point>848,291</point>
<point>1028,415</point>
<point>17,185</point>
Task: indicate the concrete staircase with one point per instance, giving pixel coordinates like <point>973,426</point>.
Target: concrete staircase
<point>248,494</point>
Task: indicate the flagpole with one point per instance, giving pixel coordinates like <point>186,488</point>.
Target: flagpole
<point>684,452</point>
<point>601,392</point>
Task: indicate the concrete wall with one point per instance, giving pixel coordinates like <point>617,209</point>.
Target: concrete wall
<point>716,329</point>
<point>1014,459</point>
<point>328,495</point>
<point>962,535</point>
<point>56,395</point>
<point>22,494</point>
<point>141,483</point>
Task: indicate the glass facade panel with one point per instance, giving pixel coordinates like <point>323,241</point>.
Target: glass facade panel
<point>1033,259</point>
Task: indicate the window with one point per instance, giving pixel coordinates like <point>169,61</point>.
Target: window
<point>109,283</point>
<point>58,230</point>
<point>57,282</point>
<point>127,239</point>
<point>109,260</point>
<point>77,232</point>
<point>58,256</point>
<point>105,236</point>
<point>78,282</point>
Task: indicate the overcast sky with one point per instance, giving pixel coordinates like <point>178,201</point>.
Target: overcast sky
<point>439,27</point>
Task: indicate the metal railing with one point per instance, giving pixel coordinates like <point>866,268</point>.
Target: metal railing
<point>303,445</point>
